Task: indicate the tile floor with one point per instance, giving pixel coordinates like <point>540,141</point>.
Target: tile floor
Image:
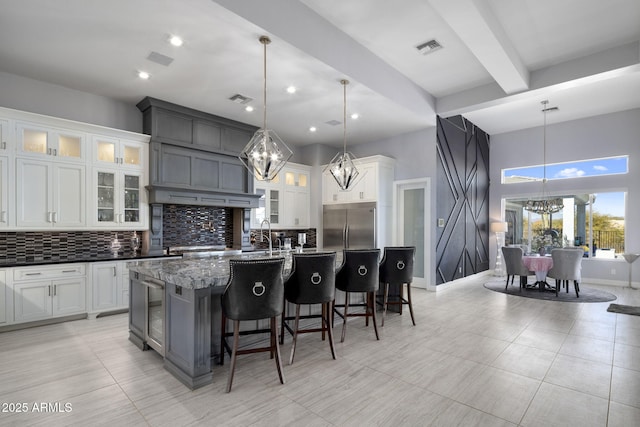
<point>476,357</point>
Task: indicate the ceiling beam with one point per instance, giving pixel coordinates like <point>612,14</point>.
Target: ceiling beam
<point>317,37</point>
<point>474,22</point>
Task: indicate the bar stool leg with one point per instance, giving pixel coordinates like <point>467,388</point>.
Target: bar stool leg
<point>295,334</point>
<point>234,353</point>
<point>223,331</point>
<point>385,300</point>
<point>344,319</point>
<point>413,320</point>
<point>274,332</point>
<point>329,326</point>
<point>371,302</point>
<point>323,315</point>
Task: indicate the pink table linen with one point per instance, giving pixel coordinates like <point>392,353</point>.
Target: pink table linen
<point>540,264</point>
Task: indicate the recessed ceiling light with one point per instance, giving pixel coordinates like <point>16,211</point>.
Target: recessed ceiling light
<point>355,116</point>
<point>248,108</point>
<point>291,89</point>
<point>176,41</point>
<point>312,129</point>
<point>144,75</point>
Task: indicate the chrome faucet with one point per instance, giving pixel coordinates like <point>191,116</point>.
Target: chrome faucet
<point>262,236</point>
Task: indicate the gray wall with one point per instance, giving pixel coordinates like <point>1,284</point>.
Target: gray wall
<point>21,93</point>
<point>594,137</point>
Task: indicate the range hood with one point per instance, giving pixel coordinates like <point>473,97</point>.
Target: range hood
<point>199,197</point>
<point>193,157</point>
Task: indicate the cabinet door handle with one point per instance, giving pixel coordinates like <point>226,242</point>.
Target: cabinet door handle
<point>32,274</point>
<point>4,145</point>
<point>55,151</point>
<point>49,216</point>
<point>54,290</point>
<point>49,151</point>
<point>55,216</point>
<point>114,271</point>
<point>3,216</point>
<point>69,271</point>
<point>49,287</point>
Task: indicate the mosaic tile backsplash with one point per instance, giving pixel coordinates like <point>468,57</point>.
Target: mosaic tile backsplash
<point>186,225</point>
<point>24,247</point>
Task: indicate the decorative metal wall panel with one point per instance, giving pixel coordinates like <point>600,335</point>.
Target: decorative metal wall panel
<point>462,176</point>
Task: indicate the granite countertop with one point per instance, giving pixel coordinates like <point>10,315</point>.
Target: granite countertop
<point>13,262</point>
<point>198,273</point>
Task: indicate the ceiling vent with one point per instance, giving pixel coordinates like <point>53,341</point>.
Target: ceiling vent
<point>240,99</point>
<point>333,122</point>
<point>428,47</point>
<point>159,58</point>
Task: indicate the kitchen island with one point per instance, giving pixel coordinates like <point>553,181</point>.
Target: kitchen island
<point>175,309</point>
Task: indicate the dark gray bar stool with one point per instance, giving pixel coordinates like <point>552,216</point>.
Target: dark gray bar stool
<point>358,273</point>
<point>396,269</point>
<point>312,281</point>
<point>255,291</point>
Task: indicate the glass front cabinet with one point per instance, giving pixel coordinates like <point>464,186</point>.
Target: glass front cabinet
<point>35,141</point>
<point>112,151</point>
<point>117,198</point>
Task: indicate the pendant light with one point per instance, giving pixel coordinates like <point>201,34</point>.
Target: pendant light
<point>341,166</point>
<point>544,205</point>
<point>265,153</point>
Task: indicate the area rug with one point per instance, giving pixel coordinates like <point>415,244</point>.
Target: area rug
<point>586,294</point>
<point>624,309</point>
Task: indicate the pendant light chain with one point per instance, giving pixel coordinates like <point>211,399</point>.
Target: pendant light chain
<point>544,145</point>
<point>344,114</point>
<point>265,41</point>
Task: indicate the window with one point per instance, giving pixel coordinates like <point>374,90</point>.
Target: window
<point>593,221</point>
<point>576,169</point>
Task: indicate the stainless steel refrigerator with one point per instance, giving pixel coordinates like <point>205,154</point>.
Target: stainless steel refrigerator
<point>349,226</point>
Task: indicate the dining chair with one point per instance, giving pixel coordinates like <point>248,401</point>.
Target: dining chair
<point>312,281</point>
<point>255,291</point>
<point>513,262</point>
<point>396,269</point>
<point>567,264</point>
<point>358,273</point>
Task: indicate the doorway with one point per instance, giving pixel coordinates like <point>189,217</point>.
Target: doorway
<point>411,218</point>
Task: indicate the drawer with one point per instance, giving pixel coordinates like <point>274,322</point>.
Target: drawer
<point>48,272</point>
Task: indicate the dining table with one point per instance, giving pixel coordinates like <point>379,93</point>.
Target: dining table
<point>540,264</point>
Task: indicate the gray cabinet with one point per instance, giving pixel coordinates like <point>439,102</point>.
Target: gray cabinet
<point>178,125</point>
<point>184,175</point>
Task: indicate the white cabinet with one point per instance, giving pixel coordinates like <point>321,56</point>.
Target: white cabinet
<point>4,192</point>
<point>118,199</point>
<point>50,194</point>
<point>5,137</point>
<point>3,297</point>
<point>48,291</point>
<point>296,197</point>
<point>122,152</point>
<point>373,184</point>
<point>39,141</point>
<point>48,177</point>
<point>286,198</point>
<point>110,286</point>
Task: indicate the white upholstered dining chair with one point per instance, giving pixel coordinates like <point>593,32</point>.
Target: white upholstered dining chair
<point>567,264</point>
<point>513,262</point>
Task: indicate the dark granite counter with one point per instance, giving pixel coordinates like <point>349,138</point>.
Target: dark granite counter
<point>9,262</point>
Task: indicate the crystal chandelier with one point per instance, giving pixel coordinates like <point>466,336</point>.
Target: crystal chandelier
<point>341,166</point>
<point>544,205</point>
<point>265,153</point>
